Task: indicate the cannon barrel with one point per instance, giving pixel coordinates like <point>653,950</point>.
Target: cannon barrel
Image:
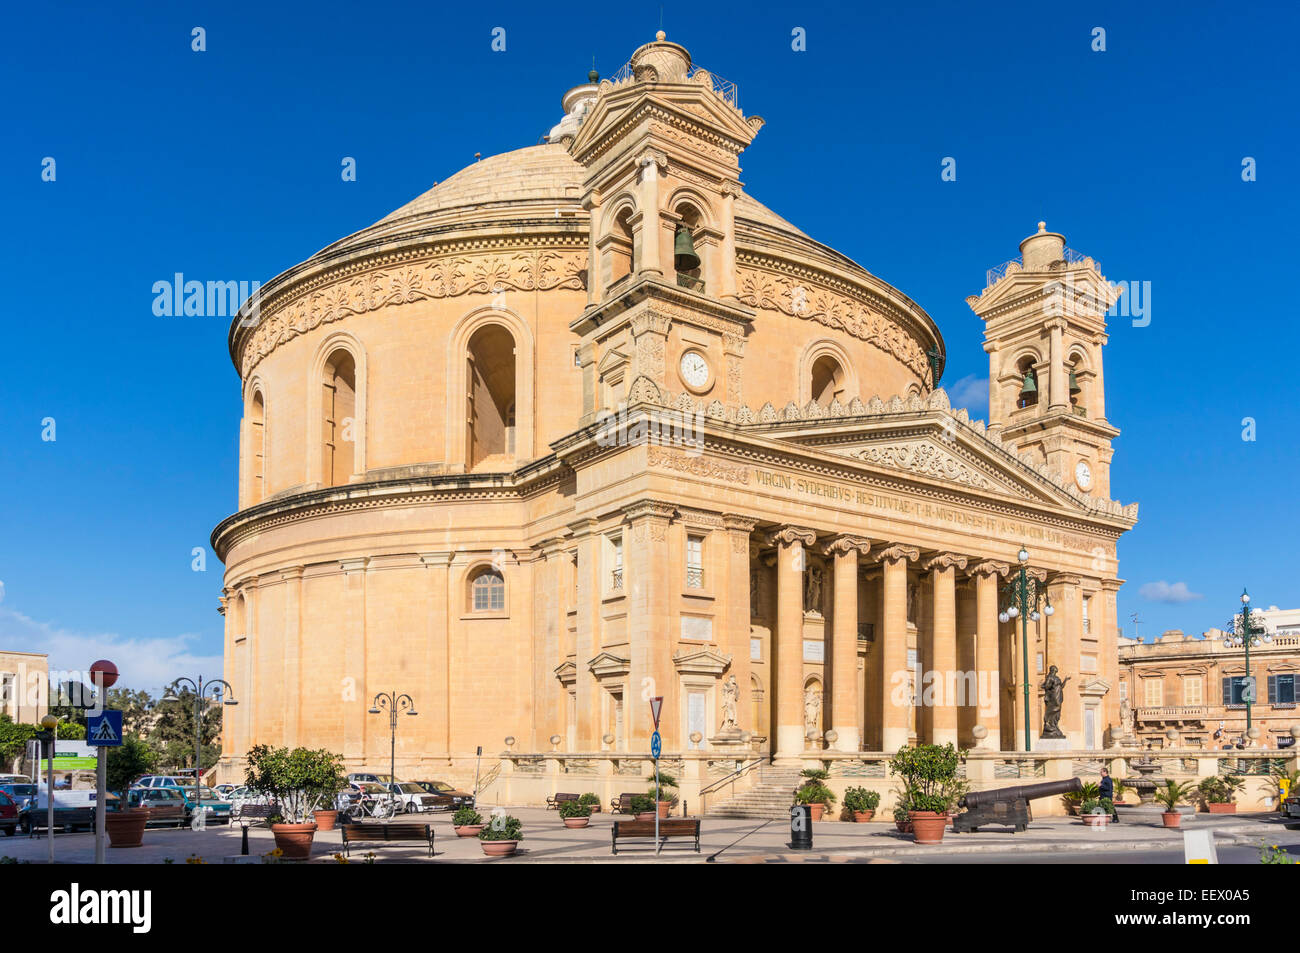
<point>1026,791</point>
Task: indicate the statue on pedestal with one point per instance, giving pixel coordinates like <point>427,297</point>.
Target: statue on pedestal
<point>1053,698</point>
<point>730,698</point>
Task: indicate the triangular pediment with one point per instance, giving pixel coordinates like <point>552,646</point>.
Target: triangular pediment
<point>701,662</point>
<point>688,109</point>
<point>608,665</point>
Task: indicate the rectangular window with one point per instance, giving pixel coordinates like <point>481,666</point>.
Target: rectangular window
<point>1086,624</point>
<point>1232,690</point>
<point>694,562</point>
<point>756,649</point>
<point>615,556</point>
<point>1193,693</point>
<point>1281,689</point>
<point>1153,692</point>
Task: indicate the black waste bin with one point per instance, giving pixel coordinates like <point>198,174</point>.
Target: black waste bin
<point>801,827</point>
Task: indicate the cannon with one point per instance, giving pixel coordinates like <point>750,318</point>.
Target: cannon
<point>1008,807</point>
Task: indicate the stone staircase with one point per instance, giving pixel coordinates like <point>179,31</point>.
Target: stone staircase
<point>769,799</point>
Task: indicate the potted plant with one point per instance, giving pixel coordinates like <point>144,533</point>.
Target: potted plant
<point>814,792</point>
<point>902,818</point>
<point>297,780</point>
<point>861,803</point>
<point>501,836</point>
<point>127,762</point>
<point>1169,796</point>
<point>929,775</point>
<point>591,801</point>
<point>1217,793</point>
<point>326,784</point>
<point>1091,791</point>
<point>666,798</point>
<point>1096,812</point>
<point>643,807</point>
<point>466,822</point>
<point>575,814</point>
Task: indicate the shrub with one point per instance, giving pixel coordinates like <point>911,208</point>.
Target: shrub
<point>859,800</point>
<point>1220,790</point>
<point>575,809</point>
<point>299,780</point>
<point>502,827</point>
<point>466,817</point>
<point>127,762</point>
<point>814,792</point>
<point>588,799</point>
<point>643,803</point>
<point>929,775</point>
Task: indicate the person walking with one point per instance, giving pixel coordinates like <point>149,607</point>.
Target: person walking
<point>1106,790</point>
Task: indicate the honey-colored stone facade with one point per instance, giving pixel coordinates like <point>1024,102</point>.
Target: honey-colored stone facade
<point>586,424</point>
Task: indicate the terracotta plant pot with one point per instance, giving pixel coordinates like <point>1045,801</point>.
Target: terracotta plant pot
<point>468,830</point>
<point>664,808</point>
<point>576,822</point>
<point>126,828</point>
<point>1096,820</point>
<point>325,820</point>
<point>1172,819</point>
<point>928,826</point>
<point>862,817</point>
<point>904,827</point>
<point>817,811</point>
<point>645,816</point>
<point>1217,808</point>
<point>499,848</point>
<point>294,840</point>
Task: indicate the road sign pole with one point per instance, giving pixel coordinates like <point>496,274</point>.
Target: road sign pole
<point>656,705</point>
<point>101,783</point>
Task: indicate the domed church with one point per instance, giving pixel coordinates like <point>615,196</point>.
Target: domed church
<point>587,425</point>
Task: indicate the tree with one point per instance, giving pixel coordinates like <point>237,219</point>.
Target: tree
<point>127,762</point>
<point>173,733</point>
<point>138,710</point>
<point>14,736</point>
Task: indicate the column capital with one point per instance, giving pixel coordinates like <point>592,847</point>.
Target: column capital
<point>1066,579</point>
<point>650,509</point>
<point>988,567</point>
<point>1056,324</point>
<point>897,553</point>
<point>847,543</point>
<point>739,523</point>
<point>1112,585</point>
<point>944,561</point>
<point>789,535</point>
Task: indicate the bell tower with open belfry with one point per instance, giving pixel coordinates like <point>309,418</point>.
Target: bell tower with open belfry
<point>1044,329</point>
<point>660,143</point>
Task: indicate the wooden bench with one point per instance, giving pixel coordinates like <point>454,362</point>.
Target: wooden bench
<point>668,828</point>
<point>247,816</point>
<point>623,803</point>
<point>555,800</point>
<point>387,833</point>
<point>167,814</point>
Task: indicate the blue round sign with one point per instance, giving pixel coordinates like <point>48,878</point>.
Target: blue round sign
<point>656,745</point>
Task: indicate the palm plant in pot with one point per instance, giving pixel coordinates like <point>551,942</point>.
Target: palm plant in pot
<point>127,762</point>
<point>814,792</point>
<point>1090,791</point>
<point>298,781</point>
<point>861,803</point>
<point>575,814</point>
<point>667,800</point>
<point>1218,792</point>
<point>931,787</point>
<point>501,836</point>
<point>467,822</point>
<point>1169,795</point>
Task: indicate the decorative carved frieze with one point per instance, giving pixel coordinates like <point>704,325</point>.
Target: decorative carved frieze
<point>926,459</point>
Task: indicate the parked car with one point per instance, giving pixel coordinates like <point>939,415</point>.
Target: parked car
<point>449,798</point>
<point>8,814</point>
<point>369,797</point>
<point>72,810</point>
<point>1291,806</point>
<point>161,781</point>
<point>413,797</point>
<point>20,792</point>
<point>14,779</point>
<point>216,808</point>
<point>360,776</point>
<point>225,790</point>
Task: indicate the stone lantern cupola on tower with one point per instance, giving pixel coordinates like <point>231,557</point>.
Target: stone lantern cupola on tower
<point>1044,329</point>
<point>661,146</point>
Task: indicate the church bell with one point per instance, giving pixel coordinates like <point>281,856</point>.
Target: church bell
<point>684,257</point>
<point>1030,387</point>
<point>1074,385</point>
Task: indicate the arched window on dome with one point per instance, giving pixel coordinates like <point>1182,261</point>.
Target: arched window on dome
<point>487,591</point>
<point>257,449</point>
<point>827,380</point>
<point>338,418</point>
<point>490,397</point>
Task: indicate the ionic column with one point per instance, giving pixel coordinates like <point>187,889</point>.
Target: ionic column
<point>651,163</point>
<point>1058,394</point>
<point>987,667</point>
<point>942,654</point>
<point>844,640</point>
<point>894,698</point>
<point>727,260</point>
<point>787,644</point>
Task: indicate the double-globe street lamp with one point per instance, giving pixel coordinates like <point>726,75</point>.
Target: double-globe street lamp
<point>1244,633</point>
<point>220,690</point>
<point>394,704</point>
<point>1020,599</point>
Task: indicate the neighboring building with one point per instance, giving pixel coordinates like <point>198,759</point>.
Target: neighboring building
<point>24,685</point>
<point>1193,685</point>
<point>586,423</point>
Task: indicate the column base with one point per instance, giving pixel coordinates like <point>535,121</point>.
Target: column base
<point>850,739</point>
<point>790,744</point>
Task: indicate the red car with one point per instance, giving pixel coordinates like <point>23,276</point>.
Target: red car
<point>8,814</point>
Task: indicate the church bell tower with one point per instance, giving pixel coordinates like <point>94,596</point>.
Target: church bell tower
<point>1044,329</point>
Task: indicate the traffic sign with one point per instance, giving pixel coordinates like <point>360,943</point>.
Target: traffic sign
<point>656,703</point>
<point>656,745</point>
<point>104,729</point>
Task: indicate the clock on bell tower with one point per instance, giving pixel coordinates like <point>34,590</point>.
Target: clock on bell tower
<point>1044,329</point>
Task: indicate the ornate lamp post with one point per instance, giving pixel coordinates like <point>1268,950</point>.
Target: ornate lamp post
<point>220,690</point>
<point>1247,634</point>
<point>394,704</point>
<point>1020,598</point>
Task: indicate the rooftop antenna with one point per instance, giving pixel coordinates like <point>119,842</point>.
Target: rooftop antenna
<point>1136,622</point>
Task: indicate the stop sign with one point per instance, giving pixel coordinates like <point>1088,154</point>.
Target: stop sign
<point>103,669</point>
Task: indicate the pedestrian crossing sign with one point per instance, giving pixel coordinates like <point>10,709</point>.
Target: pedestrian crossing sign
<point>104,729</point>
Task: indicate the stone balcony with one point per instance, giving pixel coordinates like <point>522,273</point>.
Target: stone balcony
<point>1170,714</point>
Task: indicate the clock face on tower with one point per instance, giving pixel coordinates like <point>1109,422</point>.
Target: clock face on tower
<point>1083,475</point>
<point>694,370</point>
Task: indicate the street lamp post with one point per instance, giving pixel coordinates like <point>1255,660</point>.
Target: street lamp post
<point>1020,598</point>
<point>51,725</point>
<point>219,689</point>
<point>394,704</point>
<point>1243,633</point>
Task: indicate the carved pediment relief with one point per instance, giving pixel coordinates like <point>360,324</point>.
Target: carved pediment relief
<point>926,458</point>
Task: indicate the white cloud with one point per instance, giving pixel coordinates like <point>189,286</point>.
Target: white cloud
<point>971,392</point>
<point>1168,592</point>
<point>148,664</point>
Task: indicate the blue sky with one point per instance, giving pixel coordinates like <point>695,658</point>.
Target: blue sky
<point>225,165</point>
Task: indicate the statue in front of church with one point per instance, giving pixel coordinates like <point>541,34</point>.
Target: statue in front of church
<point>812,590</point>
<point>730,699</point>
<point>812,711</point>
<point>1053,698</point>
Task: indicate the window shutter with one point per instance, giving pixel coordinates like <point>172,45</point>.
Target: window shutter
<point>1272,689</point>
<point>1227,691</point>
